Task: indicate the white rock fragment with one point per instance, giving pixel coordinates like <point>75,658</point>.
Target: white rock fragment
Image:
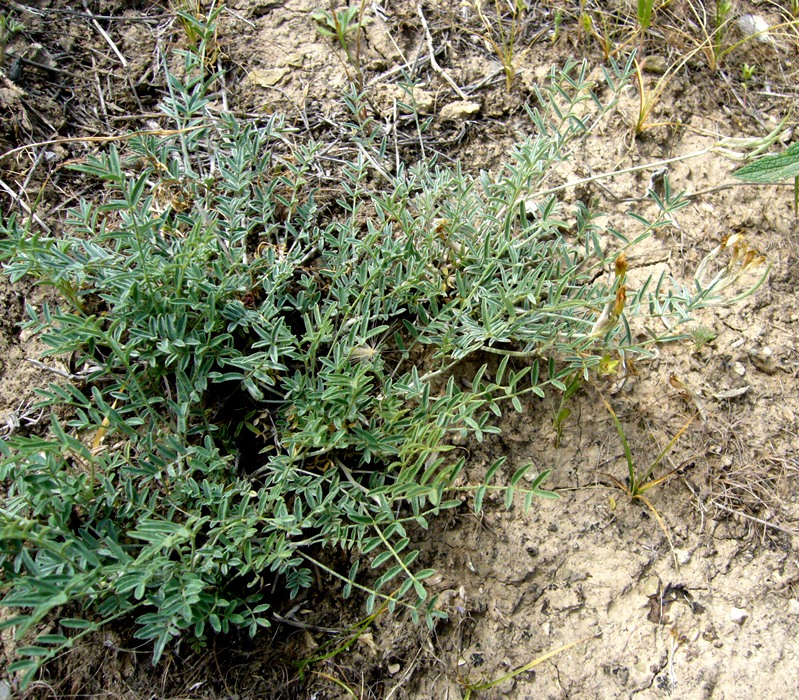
<point>738,615</point>
<point>793,606</point>
<point>657,65</point>
<point>763,359</point>
<point>651,586</point>
<point>266,77</point>
<point>738,368</point>
<point>456,111</point>
<point>683,556</point>
<point>295,59</point>
<point>757,27</point>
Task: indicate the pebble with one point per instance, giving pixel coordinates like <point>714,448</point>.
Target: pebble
<point>266,77</point>
<point>793,606</point>
<point>738,368</point>
<point>456,111</point>
<point>651,586</point>
<point>756,26</point>
<point>738,615</point>
<point>683,556</point>
<point>763,359</point>
<point>656,64</point>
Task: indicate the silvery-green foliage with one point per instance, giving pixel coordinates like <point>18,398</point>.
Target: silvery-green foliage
<point>209,303</point>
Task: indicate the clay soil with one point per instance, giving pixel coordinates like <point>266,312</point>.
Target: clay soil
<point>698,601</point>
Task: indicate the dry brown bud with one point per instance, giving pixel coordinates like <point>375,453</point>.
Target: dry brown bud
<point>621,266</point>
<point>621,297</point>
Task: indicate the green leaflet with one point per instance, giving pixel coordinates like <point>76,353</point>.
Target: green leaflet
<point>772,168</point>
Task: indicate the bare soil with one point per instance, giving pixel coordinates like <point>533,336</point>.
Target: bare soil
<point>713,613</point>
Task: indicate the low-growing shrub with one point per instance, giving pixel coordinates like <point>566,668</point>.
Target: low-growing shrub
<point>262,370</point>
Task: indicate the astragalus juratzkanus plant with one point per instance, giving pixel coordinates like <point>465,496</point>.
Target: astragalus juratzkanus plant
<point>259,376</point>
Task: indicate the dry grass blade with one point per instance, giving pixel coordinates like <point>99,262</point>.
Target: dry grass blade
<point>433,61</point>
<point>523,669</point>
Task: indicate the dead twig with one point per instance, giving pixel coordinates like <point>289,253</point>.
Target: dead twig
<point>105,35</point>
<point>101,139</point>
<point>760,521</point>
<point>24,186</point>
<point>46,68</point>
<point>20,203</point>
<point>304,625</point>
<point>100,95</point>
<point>62,373</point>
<point>433,62</point>
<point>382,79</point>
<point>41,11</point>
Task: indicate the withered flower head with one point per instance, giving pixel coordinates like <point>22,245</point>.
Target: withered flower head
<point>621,297</point>
<point>621,265</point>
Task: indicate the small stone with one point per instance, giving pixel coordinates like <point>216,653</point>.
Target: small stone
<point>267,77</point>
<point>738,615</point>
<point>763,359</point>
<point>683,556</point>
<point>456,111</point>
<point>757,27</point>
<point>738,368</point>
<point>295,59</point>
<point>793,606</point>
<point>656,64</point>
<point>651,586</point>
<point>393,669</point>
